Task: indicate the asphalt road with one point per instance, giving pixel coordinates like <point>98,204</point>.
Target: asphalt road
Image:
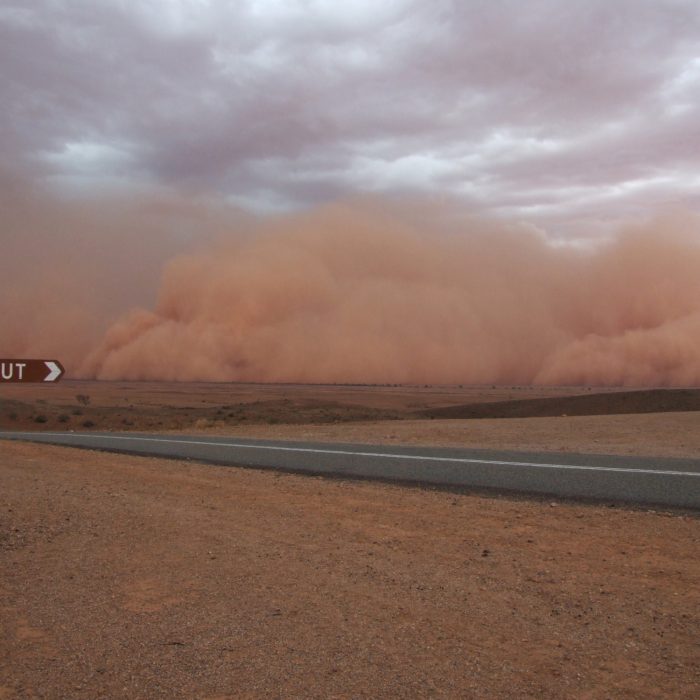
<point>641,480</point>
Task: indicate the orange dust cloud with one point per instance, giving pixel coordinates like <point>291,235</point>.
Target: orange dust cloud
<point>351,293</point>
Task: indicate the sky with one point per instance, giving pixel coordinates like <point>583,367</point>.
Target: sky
<point>471,191</point>
<point>571,115</point>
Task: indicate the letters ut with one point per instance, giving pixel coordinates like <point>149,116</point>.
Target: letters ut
<point>8,369</point>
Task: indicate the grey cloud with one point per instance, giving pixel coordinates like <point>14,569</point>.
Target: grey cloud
<point>515,106</point>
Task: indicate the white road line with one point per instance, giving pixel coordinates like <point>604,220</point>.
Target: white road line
<point>385,455</point>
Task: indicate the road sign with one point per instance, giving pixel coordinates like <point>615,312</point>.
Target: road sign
<point>16,371</point>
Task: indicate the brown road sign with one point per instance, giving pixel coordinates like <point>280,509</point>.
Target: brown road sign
<point>30,371</point>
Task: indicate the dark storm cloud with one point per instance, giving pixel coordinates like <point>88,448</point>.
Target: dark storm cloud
<point>540,110</point>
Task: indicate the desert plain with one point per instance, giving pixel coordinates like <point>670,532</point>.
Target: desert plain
<point>135,577</point>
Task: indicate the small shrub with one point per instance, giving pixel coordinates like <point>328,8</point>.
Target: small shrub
<point>83,399</point>
<point>13,415</point>
<point>63,418</point>
<point>40,419</point>
<point>88,424</point>
<point>77,412</point>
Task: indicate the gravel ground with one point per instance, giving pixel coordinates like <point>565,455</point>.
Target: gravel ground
<point>126,577</point>
<point>651,434</point>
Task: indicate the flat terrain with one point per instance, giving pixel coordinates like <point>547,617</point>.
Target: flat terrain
<point>143,578</point>
<point>133,577</point>
<point>652,435</point>
<point>75,405</point>
<point>662,423</point>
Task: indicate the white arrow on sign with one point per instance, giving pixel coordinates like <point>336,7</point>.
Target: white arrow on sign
<point>54,371</point>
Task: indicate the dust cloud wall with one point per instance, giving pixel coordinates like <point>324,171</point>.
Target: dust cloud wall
<point>69,267</point>
<point>354,292</point>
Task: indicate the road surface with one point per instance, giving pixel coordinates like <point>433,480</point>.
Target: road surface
<point>641,480</point>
